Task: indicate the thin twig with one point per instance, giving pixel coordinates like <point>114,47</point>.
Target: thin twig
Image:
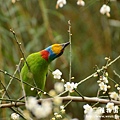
<point>4,90</point>
<point>11,100</point>
<point>24,94</point>
<point>68,103</point>
<point>79,93</point>
<point>11,79</point>
<point>61,93</point>
<point>23,82</point>
<point>16,111</point>
<point>69,31</point>
<point>19,45</point>
<point>116,74</point>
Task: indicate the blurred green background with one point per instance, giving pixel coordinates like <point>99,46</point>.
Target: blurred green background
<point>38,24</point>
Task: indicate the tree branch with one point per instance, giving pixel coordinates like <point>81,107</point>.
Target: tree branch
<point>109,64</point>
<point>64,99</point>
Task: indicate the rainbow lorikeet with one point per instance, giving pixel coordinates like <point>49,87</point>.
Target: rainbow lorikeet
<point>35,70</point>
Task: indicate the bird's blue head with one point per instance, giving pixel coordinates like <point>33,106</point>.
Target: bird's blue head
<point>54,51</point>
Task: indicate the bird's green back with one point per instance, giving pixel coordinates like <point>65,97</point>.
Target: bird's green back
<point>35,74</point>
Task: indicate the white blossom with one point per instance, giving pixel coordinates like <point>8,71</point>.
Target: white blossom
<point>75,85</point>
<point>47,106</point>
<point>114,95</point>
<point>81,3</point>
<point>32,89</point>
<point>15,116</point>
<point>58,116</point>
<point>105,9</point>
<point>105,80</point>
<point>103,86</point>
<point>42,111</point>
<point>60,3</point>
<point>31,103</point>
<point>87,108</point>
<point>62,107</point>
<point>57,74</point>
<point>70,86</point>
<point>74,119</point>
<point>59,87</point>
<point>110,107</point>
<point>118,88</point>
<point>39,111</point>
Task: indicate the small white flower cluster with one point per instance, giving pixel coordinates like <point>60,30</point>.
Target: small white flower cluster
<point>110,107</point>
<point>15,116</point>
<point>81,3</point>
<point>105,9</point>
<point>90,113</point>
<point>60,3</point>
<point>62,109</point>
<point>70,86</point>
<point>58,116</point>
<point>118,87</point>
<point>103,86</point>
<point>87,108</point>
<point>114,95</point>
<point>103,81</point>
<point>57,74</point>
<point>39,111</point>
<point>59,86</point>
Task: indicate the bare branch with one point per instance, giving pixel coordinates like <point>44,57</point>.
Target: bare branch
<point>64,99</point>
<point>90,76</point>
